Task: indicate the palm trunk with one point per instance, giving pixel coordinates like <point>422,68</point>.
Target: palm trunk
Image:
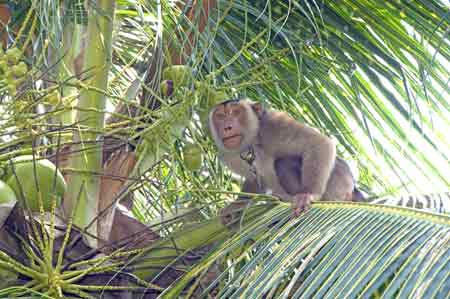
<point>83,192</point>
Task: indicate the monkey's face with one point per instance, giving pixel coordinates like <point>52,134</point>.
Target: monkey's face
<point>234,125</point>
<point>229,120</point>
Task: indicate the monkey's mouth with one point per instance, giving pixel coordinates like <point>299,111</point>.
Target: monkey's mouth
<point>232,141</point>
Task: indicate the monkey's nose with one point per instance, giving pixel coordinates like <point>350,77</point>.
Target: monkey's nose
<point>228,128</point>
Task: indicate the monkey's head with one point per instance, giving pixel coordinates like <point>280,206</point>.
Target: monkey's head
<point>234,124</point>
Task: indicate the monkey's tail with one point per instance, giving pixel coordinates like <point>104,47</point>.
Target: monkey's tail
<point>358,196</point>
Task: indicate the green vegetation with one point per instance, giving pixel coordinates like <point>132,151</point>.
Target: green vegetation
<point>106,102</point>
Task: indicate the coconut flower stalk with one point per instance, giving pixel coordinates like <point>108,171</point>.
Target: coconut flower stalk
<point>91,105</point>
<point>166,252</point>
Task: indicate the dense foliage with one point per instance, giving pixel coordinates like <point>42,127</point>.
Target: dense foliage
<point>91,86</point>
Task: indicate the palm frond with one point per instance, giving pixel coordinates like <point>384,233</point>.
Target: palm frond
<point>434,202</point>
<point>335,250</point>
<point>362,71</point>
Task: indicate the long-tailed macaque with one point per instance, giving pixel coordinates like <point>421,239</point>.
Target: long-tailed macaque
<point>278,155</point>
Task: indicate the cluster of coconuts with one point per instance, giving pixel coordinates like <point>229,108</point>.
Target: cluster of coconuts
<point>12,68</point>
<point>177,77</point>
<point>34,182</point>
<point>53,98</point>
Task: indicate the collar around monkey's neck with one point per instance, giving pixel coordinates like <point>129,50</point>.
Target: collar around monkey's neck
<point>248,155</point>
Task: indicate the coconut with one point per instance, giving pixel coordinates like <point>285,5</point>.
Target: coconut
<point>179,74</point>
<point>7,194</point>
<point>166,88</point>
<point>192,156</point>
<point>33,183</point>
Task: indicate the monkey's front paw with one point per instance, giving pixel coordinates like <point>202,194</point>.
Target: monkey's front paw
<point>301,203</point>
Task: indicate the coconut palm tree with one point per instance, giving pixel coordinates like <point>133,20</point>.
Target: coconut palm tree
<point>110,98</point>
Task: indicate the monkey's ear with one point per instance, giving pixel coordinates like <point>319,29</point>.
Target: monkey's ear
<point>257,108</point>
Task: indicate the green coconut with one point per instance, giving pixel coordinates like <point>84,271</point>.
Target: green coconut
<point>20,69</point>
<point>13,55</point>
<point>7,194</point>
<point>192,156</point>
<point>166,88</point>
<point>16,160</point>
<point>180,75</point>
<point>36,179</point>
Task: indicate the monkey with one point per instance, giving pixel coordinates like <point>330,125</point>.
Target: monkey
<point>278,155</point>
<point>340,185</point>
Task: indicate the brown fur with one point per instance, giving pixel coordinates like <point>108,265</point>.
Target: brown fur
<point>291,158</point>
<point>340,185</point>
<point>277,135</point>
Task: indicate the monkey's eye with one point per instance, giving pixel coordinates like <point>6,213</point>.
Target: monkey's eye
<point>236,112</point>
<point>220,115</point>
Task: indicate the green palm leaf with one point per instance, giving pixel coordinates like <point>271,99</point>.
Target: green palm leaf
<point>435,202</point>
<point>336,250</point>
